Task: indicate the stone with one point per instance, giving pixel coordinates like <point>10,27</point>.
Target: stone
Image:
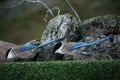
<point>99,27</point>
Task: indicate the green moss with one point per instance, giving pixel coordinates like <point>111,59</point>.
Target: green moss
<point>61,70</point>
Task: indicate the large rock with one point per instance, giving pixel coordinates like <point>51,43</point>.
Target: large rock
<point>61,26</point>
<point>88,30</point>
<point>96,28</point>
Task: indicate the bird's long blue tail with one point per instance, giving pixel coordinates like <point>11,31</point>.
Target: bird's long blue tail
<point>34,46</point>
<point>49,42</point>
<point>83,44</point>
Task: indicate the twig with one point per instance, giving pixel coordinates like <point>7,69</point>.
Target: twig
<point>55,8</point>
<point>76,14</point>
<point>39,1</point>
<point>17,4</point>
<point>35,1</point>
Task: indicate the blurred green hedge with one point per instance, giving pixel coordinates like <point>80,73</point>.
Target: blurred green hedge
<point>61,70</point>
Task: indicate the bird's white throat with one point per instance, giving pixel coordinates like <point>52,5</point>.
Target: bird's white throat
<point>10,55</point>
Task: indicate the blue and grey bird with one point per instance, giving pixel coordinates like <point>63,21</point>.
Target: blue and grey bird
<point>15,55</point>
<point>73,47</point>
<point>25,51</point>
<point>30,46</point>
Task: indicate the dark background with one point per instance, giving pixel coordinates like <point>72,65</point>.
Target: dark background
<point>25,22</point>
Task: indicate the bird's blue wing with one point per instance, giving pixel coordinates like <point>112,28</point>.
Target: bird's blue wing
<point>82,44</point>
<point>100,40</point>
<point>78,45</point>
<point>49,42</point>
<point>29,46</point>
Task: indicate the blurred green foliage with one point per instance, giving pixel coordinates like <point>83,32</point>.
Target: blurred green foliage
<point>61,70</point>
<point>1,1</point>
<point>20,27</point>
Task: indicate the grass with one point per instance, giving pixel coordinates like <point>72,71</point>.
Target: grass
<point>61,70</point>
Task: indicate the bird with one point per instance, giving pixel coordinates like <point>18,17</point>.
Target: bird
<point>15,55</point>
<point>25,51</point>
<point>71,48</point>
<point>64,48</point>
<point>82,44</point>
<point>29,46</point>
